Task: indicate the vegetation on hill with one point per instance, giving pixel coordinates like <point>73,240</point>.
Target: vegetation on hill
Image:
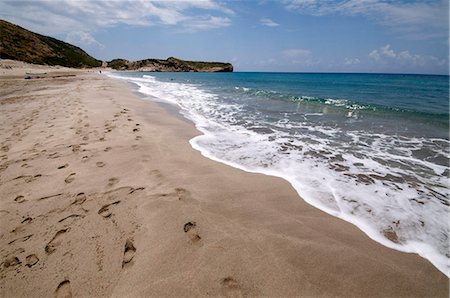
<point>170,64</point>
<point>17,43</point>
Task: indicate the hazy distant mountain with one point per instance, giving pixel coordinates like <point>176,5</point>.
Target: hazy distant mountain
<point>20,44</point>
<point>170,64</point>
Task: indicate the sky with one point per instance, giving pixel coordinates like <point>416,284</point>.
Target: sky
<point>404,36</point>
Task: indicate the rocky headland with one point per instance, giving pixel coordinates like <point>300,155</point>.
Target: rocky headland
<point>170,65</point>
<point>17,43</point>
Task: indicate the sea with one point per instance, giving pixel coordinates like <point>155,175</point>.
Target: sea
<point>371,149</point>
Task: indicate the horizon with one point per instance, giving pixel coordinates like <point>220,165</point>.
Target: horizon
<point>290,36</point>
<point>307,72</point>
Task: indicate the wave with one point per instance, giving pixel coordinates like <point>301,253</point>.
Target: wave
<point>376,181</point>
<point>346,104</point>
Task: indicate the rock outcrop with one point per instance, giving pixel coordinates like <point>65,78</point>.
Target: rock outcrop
<point>170,65</point>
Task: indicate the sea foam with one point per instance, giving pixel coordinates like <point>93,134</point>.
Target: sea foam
<point>372,180</point>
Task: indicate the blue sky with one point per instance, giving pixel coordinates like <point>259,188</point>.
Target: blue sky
<point>285,35</point>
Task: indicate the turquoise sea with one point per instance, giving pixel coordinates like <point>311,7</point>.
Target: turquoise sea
<point>372,149</point>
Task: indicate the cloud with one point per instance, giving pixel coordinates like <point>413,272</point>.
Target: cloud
<point>269,23</point>
<point>351,61</point>
<point>412,19</point>
<point>199,4</point>
<point>296,53</point>
<point>78,19</point>
<point>210,22</point>
<point>387,55</point>
<point>80,37</point>
<point>374,55</point>
<point>300,56</point>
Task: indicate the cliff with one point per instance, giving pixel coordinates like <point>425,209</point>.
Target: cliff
<point>170,65</point>
<point>17,43</point>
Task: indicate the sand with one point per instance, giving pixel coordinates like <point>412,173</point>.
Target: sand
<point>102,195</point>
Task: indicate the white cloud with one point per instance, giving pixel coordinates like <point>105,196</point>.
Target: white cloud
<point>387,51</point>
<point>300,56</point>
<point>210,22</point>
<point>78,19</point>
<point>351,61</point>
<point>296,53</point>
<point>200,4</point>
<point>268,22</point>
<point>374,55</point>
<point>387,55</point>
<point>84,38</point>
<point>413,19</point>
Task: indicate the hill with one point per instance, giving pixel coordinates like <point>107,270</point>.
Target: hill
<point>170,64</point>
<point>17,43</point>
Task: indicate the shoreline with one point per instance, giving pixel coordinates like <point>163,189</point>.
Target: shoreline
<point>424,250</point>
<point>158,218</point>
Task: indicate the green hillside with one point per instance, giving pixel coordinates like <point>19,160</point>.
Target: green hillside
<point>17,43</point>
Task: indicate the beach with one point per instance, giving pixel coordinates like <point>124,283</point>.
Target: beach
<point>102,195</point>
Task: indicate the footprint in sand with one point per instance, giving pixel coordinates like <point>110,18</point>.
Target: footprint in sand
<point>190,228</point>
<point>105,211</point>
<point>55,242</point>
<point>128,253</point>
<point>112,181</point>
<point>80,198</point>
<point>135,129</point>
<point>180,194</point>
<point>18,229</point>
<point>75,148</point>
<point>63,290</point>
<point>230,287</point>
<point>54,155</point>
<point>107,149</point>
<point>100,164</point>
<point>121,192</point>
<point>71,216</point>
<point>11,261</point>
<point>63,166</point>
<point>20,199</point>
<point>70,178</point>
<point>50,197</point>
<point>21,239</point>
<point>27,220</point>
<point>31,260</point>
<point>28,178</point>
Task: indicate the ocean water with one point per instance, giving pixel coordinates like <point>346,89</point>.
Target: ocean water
<point>372,149</point>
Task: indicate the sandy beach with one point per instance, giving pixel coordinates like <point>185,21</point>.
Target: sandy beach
<point>102,196</point>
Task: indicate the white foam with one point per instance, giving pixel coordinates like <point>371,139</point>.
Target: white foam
<point>303,158</point>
